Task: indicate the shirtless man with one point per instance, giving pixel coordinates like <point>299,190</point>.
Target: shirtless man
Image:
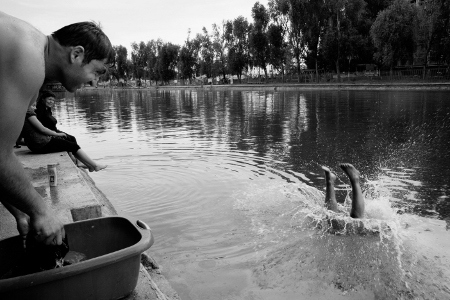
<point>73,55</point>
<point>357,210</point>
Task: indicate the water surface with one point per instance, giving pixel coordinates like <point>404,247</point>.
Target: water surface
<point>227,180</point>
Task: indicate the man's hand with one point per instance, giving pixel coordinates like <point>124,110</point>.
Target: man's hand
<point>47,229</point>
<point>23,226</point>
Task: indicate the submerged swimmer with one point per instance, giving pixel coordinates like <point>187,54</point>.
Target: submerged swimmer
<point>357,210</point>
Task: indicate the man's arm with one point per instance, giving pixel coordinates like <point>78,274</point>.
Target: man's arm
<point>23,220</point>
<point>18,192</point>
<point>21,75</point>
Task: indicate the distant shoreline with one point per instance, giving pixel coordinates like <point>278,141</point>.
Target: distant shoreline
<point>298,86</point>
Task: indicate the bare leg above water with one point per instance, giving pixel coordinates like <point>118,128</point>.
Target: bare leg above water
<point>358,199</point>
<point>77,162</point>
<point>85,159</point>
<point>330,196</point>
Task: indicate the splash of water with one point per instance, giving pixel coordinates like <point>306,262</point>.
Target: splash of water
<point>349,253</point>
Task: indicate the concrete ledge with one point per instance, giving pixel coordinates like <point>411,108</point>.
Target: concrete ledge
<point>77,198</point>
<point>70,192</point>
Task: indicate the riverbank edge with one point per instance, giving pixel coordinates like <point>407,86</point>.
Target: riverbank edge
<point>76,190</point>
<point>296,86</point>
<point>159,285</point>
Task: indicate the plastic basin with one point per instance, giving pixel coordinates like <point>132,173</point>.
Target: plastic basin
<point>112,245</point>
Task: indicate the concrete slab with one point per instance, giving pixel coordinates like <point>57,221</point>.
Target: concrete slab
<point>75,197</point>
<point>70,192</point>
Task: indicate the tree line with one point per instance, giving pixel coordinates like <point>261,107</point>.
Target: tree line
<point>290,35</point>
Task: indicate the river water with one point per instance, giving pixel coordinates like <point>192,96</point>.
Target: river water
<point>230,181</point>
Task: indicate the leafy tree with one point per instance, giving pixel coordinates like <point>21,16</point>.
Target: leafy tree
<point>342,38</point>
<point>366,48</point>
<point>277,34</point>
<point>316,19</point>
<point>432,17</point>
<point>188,58</point>
<point>206,53</point>
<point>392,33</point>
<point>153,47</point>
<point>441,49</point>
<point>129,68</point>
<point>425,30</point>
<point>297,12</point>
<point>238,46</point>
<point>258,39</point>
<point>120,69</point>
<point>167,62</point>
<point>196,45</point>
<point>323,34</point>
<point>221,40</point>
<point>279,13</point>
<point>276,45</point>
<point>139,58</point>
<point>373,7</point>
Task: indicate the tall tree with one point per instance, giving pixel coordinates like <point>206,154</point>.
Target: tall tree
<point>316,18</point>
<point>279,13</point>
<point>188,58</point>
<point>392,33</point>
<point>206,53</point>
<point>342,38</point>
<point>221,38</point>
<point>139,57</point>
<point>429,28</point>
<point>238,46</point>
<point>121,70</point>
<point>441,48</point>
<point>297,12</point>
<point>258,39</point>
<point>277,34</point>
<point>276,45</point>
<point>167,62</point>
<point>153,47</point>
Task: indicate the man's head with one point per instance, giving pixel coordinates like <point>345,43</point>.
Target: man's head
<point>90,53</point>
<point>88,35</point>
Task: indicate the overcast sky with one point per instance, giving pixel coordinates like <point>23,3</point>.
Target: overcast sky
<point>127,21</point>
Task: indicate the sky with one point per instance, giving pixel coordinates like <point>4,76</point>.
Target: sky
<point>127,21</point>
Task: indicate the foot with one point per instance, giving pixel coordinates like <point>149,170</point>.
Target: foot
<point>79,164</point>
<point>358,205</point>
<point>97,168</point>
<point>330,197</point>
<point>351,171</point>
<point>329,176</point>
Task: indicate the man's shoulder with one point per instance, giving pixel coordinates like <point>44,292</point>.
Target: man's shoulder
<point>22,62</point>
<point>22,48</point>
<point>17,35</point>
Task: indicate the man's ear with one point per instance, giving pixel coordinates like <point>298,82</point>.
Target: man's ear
<point>77,54</point>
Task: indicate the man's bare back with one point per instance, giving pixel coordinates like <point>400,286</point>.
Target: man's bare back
<point>28,58</point>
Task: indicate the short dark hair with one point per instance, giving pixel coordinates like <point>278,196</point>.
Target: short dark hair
<point>44,94</point>
<point>89,35</point>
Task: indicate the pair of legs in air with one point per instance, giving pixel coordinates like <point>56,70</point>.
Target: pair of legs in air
<point>357,210</point>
